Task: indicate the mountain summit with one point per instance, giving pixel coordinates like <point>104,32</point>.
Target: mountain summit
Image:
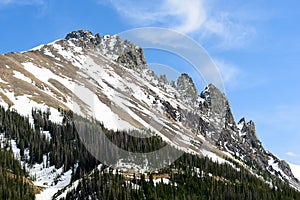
<point>107,79</point>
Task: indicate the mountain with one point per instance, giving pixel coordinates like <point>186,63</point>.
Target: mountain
<point>108,80</point>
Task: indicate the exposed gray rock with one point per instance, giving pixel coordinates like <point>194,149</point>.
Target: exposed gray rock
<point>172,112</point>
<point>123,52</point>
<point>187,89</point>
<point>210,115</point>
<point>221,130</point>
<point>163,79</point>
<point>84,38</point>
<point>284,166</point>
<point>133,57</point>
<point>215,100</point>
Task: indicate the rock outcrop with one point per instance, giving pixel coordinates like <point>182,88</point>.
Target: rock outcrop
<point>186,88</point>
<point>123,52</point>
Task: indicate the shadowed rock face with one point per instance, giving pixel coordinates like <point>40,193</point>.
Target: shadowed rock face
<point>83,35</point>
<point>84,38</point>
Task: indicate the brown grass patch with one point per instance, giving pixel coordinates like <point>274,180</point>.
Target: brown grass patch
<point>36,189</point>
<point>6,99</point>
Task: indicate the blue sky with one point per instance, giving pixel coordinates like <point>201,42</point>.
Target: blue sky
<point>255,44</point>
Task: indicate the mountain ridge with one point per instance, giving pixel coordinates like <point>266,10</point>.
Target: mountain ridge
<point>115,72</point>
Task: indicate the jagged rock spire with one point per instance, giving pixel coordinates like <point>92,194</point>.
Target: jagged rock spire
<point>84,38</point>
<point>123,52</point>
<point>186,88</point>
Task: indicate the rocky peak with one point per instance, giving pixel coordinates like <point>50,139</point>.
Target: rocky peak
<point>186,88</point>
<point>242,125</point>
<point>131,56</point>
<point>242,122</point>
<point>215,100</point>
<point>249,131</point>
<point>252,129</point>
<point>84,38</point>
<point>163,79</point>
<point>111,46</point>
<point>80,34</point>
<point>251,125</point>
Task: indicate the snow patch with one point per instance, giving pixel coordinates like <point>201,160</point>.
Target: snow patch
<point>64,179</point>
<point>47,135</point>
<point>274,164</point>
<point>21,76</point>
<point>161,180</point>
<point>48,53</point>
<point>68,189</point>
<point>296,170</point>
<point>68,54</point>
<point>214,157</point>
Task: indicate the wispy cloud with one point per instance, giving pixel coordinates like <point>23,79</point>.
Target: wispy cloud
<point>21,2</point>
<point>189,17</point>
<point>229,34</point>
<point>184,16</point>
<point>229,72</point>
<point>41,5</point>
<point>293,157</point>
<point>292,154</point>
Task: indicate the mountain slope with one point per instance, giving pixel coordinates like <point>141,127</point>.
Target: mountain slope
<point>107,79</point>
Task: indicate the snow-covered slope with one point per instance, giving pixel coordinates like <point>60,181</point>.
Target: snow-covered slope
<point>108,79</point>
<point>296,170</point>
<point>89,82</point>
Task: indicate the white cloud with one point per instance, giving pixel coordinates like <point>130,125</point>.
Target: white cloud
<point>291,154</point>
<point>205,18</point>
<point>183,16</point>
<point>42,5</point>
<point>191,14</point>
